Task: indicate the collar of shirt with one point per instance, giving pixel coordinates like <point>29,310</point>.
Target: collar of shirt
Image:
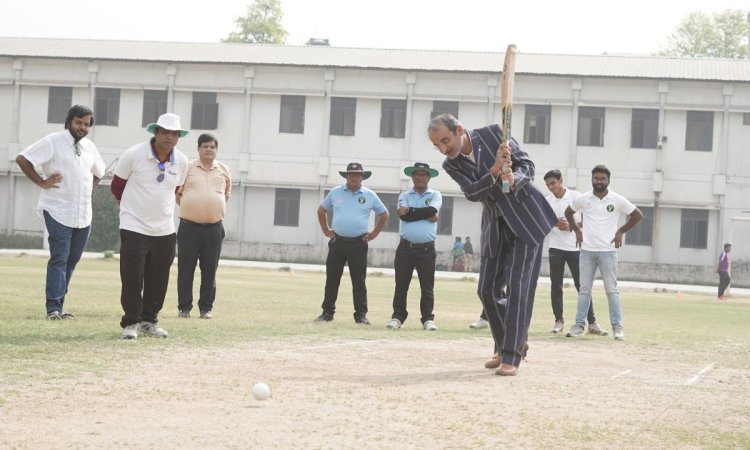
<point>346,188</point>
<point>199,164</point>
<point>426,192</point>
<point>152,154</point>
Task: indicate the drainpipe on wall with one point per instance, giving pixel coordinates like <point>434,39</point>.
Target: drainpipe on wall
<point>572,175</point>
<point>14,147</point>
<point>657,179</point>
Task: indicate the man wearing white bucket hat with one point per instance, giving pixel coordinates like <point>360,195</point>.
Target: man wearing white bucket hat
<point>145,182</point>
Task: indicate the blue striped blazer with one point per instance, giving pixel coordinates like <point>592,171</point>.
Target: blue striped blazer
<point>525,210</point>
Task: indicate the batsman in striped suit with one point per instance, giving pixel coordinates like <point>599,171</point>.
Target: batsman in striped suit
<point>514,225</point>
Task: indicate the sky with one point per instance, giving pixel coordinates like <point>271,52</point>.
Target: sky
<point>584,27</point>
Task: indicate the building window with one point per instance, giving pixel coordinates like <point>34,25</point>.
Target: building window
<point>393,118</point>
<point>536,124</point>
<point>292,117</point>
<point>591,126</point>
<point>154,105</point>
<point>205,114</point>
<point>642,233</point>
<point>286,207</point>
<point>60,101</point>
<point>391,203</point>
<point>343,116</point>
<point>444,107</point>
<point>644,128</point>
<point>107,106</point>
<point>694,228</point>
<point>745,118</point>
<point>445,217</point>
<point>699,132</point>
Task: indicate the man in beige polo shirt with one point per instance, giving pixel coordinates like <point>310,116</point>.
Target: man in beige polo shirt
<point>203,200</point>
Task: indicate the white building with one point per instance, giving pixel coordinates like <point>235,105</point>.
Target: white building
<point>674,132</point>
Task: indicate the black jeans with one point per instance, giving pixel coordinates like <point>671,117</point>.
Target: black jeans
<point>410,257</point>
<point>723,282</point>
<point>557,260</point>
<point>198,242</point>
<point>351,251</point>
<point>145,262</point>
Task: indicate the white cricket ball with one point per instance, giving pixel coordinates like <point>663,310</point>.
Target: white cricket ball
<point>261,391</point>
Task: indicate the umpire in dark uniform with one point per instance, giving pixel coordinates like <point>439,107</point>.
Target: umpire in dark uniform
<point>418,210</point>
<point>514,225</point>
<point>350,204</point>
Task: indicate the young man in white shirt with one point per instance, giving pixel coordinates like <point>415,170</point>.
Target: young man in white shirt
<point>71,166</point>
<point>563,250</point>
<point>599,242</point>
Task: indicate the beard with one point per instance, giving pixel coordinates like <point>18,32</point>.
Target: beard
<point>600,188</point>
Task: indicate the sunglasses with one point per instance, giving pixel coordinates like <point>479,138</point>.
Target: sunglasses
<point>162,167</point>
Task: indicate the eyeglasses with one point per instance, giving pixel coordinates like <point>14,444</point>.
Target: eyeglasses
<point>162,167</point>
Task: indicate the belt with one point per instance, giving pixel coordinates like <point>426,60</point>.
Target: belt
<point>350,239</point>
<point>200,224</point>
<point>416,245</point>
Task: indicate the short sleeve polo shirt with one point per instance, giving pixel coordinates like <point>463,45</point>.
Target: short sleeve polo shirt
<point>351,210</point>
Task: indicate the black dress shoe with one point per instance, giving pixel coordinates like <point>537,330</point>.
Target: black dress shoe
<point>325,317</point>
<point>362,320</point>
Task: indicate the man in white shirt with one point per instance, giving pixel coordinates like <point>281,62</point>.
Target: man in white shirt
<point>145,184</point>
<point>71,166</point>
<point>562,250</point>
<point>599,242</point>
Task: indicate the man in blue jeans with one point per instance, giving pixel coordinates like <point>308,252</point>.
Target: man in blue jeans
<point>71,166</point>
<point>599,242</point>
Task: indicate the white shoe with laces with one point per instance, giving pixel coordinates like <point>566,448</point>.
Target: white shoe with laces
<point>153,329</point>
<point>479,324</point>
<point>130,331</point>
<point>618,332</point>
<point>430,325</point>
<point>394,324</point>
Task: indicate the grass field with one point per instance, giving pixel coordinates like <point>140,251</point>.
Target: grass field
<point>681,379</point>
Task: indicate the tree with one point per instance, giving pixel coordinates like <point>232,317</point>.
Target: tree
<point>260,25</point>
<point>720,35</point>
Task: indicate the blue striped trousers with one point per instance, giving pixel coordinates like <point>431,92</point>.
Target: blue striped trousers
<point>516,267</point>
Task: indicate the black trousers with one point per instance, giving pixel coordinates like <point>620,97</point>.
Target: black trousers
<point>343,251</point>
<point>198,242</point>
<point>557,260</point>
<point>145,262</point>
<point>407,259</point>
<point>723,282</point>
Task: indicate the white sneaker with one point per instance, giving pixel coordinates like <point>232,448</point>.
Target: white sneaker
<point>130,331</point>
<point>394,324</point>
<point>153,329</point>
<point>430,325</point>
<point>558,328</point>
<point>479,324</point>
<point>618,332</point>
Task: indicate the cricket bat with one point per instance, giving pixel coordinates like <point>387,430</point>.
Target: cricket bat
<point>506,96</point>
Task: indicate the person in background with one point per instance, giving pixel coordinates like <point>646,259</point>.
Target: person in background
<point>563,250</point>
<point>418,209</point>
<point>468,254</point>
<point>71,166</point>
<point>203,202</point>
<point>724,269</point>
<point>144,184</point>
<point>349,236</point>
<point>599,240</point>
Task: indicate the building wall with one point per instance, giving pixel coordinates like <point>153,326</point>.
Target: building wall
<point>262,159</point>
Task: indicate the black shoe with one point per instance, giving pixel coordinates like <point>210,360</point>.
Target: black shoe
<point>362,320</point>
<point>325,317</point>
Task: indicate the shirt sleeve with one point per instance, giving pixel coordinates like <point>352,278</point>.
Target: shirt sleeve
<point>40,152</point>
<point>625,205</point>
<point>124,165</point>
<point>437,201</point>
<point>378,205</point>
<point>327,201</point>
<point>98,167</point>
